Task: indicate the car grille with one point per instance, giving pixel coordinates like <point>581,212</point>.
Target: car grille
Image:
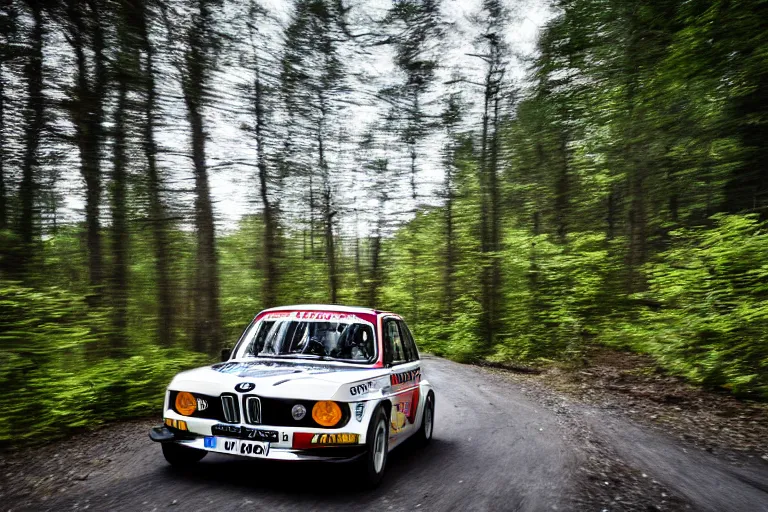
<point>252,410</point>
<point>229,408</point>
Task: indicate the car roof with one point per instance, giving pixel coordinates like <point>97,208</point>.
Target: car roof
<point>326,307</point>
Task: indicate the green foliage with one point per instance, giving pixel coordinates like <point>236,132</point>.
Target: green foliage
<point>52,375</point>
<point>712,322</point>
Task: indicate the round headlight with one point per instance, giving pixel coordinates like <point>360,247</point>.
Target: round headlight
<point>326,413</point>
<point>185,403</point>
<point>298,412</point>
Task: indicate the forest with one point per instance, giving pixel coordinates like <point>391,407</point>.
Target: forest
<point>170,167</point>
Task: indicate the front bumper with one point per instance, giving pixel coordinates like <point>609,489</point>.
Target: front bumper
<point>205,435</point>
<point>163,434</point>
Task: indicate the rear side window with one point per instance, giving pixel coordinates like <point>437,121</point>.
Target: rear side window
<point>394,352</point>
<point>408,344</point>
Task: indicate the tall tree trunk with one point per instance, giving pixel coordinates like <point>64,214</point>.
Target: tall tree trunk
<point>328,215</point>
<point>413,252</point>
<point>747,185</point>
<point>311,217</point>
<point>3,207</point>
<point>450,256</point>
<point>451,117</point>
<point>375,276</point>
<point>33,127</point>
<point>207,320</point>
<point>358,267</point>
<point>89,113</point>
<point>494,196</point>
<point>9,28</point>
<point>206,298</point>
<point>271,276</point>
<point>562,188</point>
<point>637,229</point>
<point>535,307</point>
<point>330,249</point>
<point>119,284</point>
<point>375,281</point>
<point>485,279</point>
<point>157,210</point>
<point>635,156</point>
<point>611,215</point>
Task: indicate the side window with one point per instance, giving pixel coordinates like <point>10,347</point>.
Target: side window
<point>393,343</point>
<point>410,346</point>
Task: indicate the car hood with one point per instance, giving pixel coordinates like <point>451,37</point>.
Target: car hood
<point>311,380</point>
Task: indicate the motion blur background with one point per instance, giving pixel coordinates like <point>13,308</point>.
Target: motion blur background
<point>520,180</point>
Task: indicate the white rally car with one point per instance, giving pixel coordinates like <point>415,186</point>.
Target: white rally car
<point>311,382</point>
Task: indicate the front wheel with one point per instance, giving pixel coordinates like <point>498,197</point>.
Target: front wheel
<point>424,435</point>
<point>181,456</point>
<point>377,442</point>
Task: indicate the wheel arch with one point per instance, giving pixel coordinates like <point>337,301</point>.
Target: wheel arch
<point>386,403</point>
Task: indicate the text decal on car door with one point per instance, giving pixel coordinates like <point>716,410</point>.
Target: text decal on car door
<point>404,377</point>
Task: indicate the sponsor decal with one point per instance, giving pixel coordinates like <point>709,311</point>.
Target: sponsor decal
<point>335,439</point>
<point>361,389</point>
<point>202,404</point>
<point>311,315</point>
<point>398,420</point>
<point>402,412</point>
<point>225,430</point>
<point>245,387</point>
<point>322,315</point>
<point>256,434</point>
<point>262,435</point>
<point>404,377</point>
<point>359,410</point>
<point>277,316</point>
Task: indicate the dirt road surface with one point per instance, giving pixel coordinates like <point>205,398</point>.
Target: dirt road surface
<point>497,446</point>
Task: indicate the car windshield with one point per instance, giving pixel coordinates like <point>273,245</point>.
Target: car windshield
<point>290,338</point>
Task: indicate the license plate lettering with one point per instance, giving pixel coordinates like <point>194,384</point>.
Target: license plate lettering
<point>253,448</point>
<point>236,446</point>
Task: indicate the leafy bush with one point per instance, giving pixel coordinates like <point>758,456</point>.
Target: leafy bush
<point>54,372</point>
<point>712,322</point>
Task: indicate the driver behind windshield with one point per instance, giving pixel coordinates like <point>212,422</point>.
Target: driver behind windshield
<point>353,341</point>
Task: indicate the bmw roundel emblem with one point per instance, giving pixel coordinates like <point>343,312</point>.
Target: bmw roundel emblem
<point>244,387</point>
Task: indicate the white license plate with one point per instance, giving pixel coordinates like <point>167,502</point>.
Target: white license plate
<point>237,446</point>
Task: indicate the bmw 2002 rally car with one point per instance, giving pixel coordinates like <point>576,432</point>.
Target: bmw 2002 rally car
<point>304,383</point>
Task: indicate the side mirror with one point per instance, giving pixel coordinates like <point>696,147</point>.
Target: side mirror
<point>226,353</point>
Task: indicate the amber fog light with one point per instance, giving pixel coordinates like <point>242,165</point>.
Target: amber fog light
<point>326,413</point>
<point>185,403</point>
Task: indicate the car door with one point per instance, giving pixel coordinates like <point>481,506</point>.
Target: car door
<point>402,359</point>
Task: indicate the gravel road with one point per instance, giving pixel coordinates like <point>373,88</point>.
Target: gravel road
<point>497,446</point>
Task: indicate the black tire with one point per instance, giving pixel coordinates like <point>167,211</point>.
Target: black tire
<point>181,456</point>
<point>424,435</point>
<point>377,443</point>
